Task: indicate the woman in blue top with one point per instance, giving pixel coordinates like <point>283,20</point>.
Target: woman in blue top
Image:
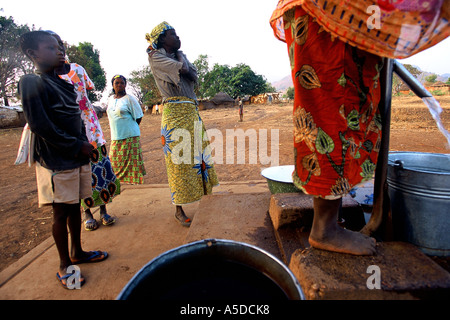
<point>125,114</point>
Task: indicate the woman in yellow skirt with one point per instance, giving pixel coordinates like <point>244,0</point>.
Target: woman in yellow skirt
<point>192,176</point>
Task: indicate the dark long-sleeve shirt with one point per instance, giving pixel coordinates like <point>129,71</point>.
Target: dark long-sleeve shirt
<point>53,114</point>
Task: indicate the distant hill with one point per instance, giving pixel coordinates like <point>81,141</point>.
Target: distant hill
<point>283,84</point>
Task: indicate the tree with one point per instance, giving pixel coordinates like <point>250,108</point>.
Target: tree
<point>13,63</point>
<point>397,82</point>
<point>238,81</point>
<point>85,55</point>
<point>202,65</point>
<point>144,86</point>
<point>246,82</point>
<point>290,93</point>
<point>270,87</point>
<point>431,78</point>
<point>217,80</point>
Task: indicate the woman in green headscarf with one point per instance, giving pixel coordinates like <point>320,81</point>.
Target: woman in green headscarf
<point>176,77</point>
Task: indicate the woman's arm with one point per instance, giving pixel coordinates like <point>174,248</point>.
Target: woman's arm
<point>185,69</point>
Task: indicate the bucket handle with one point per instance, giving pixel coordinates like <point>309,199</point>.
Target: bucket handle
<point>397,164</point>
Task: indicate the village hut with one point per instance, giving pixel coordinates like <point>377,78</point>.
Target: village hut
<point>11,117</point>
<point>404,89</point>
<point>438,86</point>
<point>220,100</point>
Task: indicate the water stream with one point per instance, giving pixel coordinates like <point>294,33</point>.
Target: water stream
<point>436,110</point>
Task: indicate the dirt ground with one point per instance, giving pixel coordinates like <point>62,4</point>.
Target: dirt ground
<point>24,225</point>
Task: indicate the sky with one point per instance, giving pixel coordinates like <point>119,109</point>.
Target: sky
<point>229,32</point>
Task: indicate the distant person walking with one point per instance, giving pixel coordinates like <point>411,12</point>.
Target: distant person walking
<point>61,151</point>
<point>125,115</point>
<point>241,109</point>
<point>175,77</point>
<point>105,185</point>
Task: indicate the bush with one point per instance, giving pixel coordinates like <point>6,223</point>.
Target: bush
<point>437,93</point>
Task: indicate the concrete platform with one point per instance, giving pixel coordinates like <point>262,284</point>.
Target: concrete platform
<point>405,272</point>
<point>145,228</point>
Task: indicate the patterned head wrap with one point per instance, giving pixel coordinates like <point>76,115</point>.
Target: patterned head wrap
<point>152,37</point>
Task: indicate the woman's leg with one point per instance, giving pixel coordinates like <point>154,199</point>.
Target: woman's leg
<point>326,234</point>
<point>105,217</point>
<point>90,224</point>
<point>59,231</point>
<point>181,216</point>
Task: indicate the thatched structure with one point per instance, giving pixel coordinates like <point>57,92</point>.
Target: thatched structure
<point>11,117</point>
<point>220,100</point>
<point>438,85</point>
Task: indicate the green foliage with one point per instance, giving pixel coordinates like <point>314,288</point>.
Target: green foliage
<point>290,93</point>
<point>236,81</point>
<point>13,63</point>
<point>144,86</point>
<point>89,58</point>
<point>437,93</point>
<point>202,65</point>
<point>431,78</point>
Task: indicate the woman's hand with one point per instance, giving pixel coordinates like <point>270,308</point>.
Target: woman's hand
<point>86,150</point>
<point>185,70</point>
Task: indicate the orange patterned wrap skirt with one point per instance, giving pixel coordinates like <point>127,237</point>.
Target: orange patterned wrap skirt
<point>337,126</point>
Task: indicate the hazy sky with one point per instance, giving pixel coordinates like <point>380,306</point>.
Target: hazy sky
<point>229,32</point>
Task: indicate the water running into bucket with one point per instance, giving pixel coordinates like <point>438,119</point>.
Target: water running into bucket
<point>436,110</point>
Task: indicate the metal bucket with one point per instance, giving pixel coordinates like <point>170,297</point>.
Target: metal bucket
<point>419,189</point>
<point>213,269</point>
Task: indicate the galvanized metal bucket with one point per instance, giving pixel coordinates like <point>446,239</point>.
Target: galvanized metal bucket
<point>419,189</point>
<point>213,269</point>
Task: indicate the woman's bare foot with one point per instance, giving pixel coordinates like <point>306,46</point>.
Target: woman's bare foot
<point>326,234</point>
<point>343,241</point>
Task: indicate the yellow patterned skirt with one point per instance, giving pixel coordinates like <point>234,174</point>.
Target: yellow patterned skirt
<point>190,170</point>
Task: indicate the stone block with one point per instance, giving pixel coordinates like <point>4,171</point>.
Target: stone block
<point>297,209</point>
<point>404,273</point>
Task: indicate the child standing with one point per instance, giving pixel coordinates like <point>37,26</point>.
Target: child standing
<point>62,150</point>
<point>105,185</point>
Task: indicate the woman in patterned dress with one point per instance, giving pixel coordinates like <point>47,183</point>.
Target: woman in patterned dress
<point>335,50</point>
<point>175,77</point>
<point>105,185</point>
<point>125,115</point>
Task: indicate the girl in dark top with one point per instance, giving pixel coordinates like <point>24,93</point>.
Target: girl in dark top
<point>61,152</point>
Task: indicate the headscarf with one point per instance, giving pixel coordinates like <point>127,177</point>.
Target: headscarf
<point>153,37</point>
<point>404,27</point>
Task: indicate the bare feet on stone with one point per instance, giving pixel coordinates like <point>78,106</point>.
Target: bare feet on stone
<point>326,234</point>
<point>343,241</point>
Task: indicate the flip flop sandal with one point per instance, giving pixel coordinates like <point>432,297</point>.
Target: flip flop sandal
<point>63,280</point>
<point>90,225</point>
<point>107,220</point>
<point>96,256</point>
<point>185,223</point>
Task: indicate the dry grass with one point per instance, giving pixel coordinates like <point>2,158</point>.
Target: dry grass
<point>411,112</point>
